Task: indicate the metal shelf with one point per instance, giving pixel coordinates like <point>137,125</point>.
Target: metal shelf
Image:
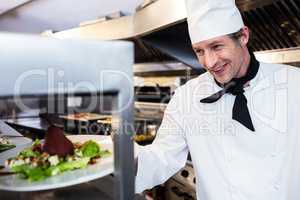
<point>289,55</point>
<point>159,67</point>
<point>284,56</point>
<point>120,28</point>
<point>141,23</point>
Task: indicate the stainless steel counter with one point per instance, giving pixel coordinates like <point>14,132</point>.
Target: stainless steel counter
<point>101,189</point>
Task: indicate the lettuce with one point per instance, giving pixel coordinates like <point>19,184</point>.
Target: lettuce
<point>29,172</point>
<point>39,173</point>
<point>90,149</point>
<point>104,154</point>
<point>76,164</point>
<point>28,152</point>
<point>43,167</point>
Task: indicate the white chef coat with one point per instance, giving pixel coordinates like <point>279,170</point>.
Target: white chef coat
<point>230,161</point>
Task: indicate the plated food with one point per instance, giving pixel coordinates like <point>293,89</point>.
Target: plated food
<point>103,167</point>
<point>35,164</point>
<point>55,156</point>
<point>5,144</point>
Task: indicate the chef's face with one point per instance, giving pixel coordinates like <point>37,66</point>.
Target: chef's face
<point>224,57</point>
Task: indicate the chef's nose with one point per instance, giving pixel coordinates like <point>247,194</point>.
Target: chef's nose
<point>210,59</point>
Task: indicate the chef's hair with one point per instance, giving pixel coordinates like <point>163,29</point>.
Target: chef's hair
<point>237,35</point>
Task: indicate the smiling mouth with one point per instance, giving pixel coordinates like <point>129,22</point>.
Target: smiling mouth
<point>220,71</point>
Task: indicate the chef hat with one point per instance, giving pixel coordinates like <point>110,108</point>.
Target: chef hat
<point>212,18</point>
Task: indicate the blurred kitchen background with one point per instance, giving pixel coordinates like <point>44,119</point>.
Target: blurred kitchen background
<point>164,59</point>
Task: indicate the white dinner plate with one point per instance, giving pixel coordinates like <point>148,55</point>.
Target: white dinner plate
<point>102,168</point>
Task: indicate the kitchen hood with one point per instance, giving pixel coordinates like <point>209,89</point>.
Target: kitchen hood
<point>159,31</point>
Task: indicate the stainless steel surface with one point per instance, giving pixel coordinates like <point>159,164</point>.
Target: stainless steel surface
<point>47,64</point>
<point>159,67</point>
<point>101,189</point>
<point>164,37</point>
<point>120,28</point>
<point>55,67</point>
<point>145,4</point>
<point>123,144</point>
<point>290,55</point>
<point>175,42</point>
<point>154,93</point>
<point>147,20</point>
<point>142,22</point>
<point>7,130</point>
<point>148,110</point>
<point>9,5</point>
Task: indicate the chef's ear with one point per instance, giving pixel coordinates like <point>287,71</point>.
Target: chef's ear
<point>244,38</point>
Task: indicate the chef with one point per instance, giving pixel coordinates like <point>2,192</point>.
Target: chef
<point>240,120</point>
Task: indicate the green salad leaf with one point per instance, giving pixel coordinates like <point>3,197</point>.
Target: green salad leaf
<point>35,165</point>
<point>28,152</point>
<point>29,172</point>
<point>104,154</point>
<point>76,164</point>
<point>90,149</point>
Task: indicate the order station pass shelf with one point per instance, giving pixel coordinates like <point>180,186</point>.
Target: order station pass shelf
<point>41,77</point>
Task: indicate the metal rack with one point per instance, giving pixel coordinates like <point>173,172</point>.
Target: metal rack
<point>34,66</point>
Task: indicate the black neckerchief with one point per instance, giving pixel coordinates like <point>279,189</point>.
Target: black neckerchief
<point>240,110</point>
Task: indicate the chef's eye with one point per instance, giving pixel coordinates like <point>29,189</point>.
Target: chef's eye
<point>199,52</point>
<point>217,47</point>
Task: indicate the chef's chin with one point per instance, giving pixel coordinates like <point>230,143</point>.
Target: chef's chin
<point>223,75</point>
<point>222,79</point>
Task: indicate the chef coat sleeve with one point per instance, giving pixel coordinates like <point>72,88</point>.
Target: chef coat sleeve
<point>167,154</point>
